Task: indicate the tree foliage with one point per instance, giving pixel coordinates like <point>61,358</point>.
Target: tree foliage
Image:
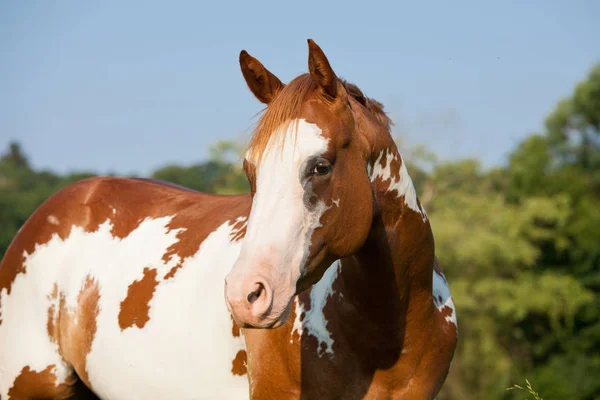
<point>220,174</point>
<point>520,245</point>
<point>525,273</point>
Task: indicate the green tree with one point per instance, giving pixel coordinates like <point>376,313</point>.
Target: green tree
<point>22,190</point>
<point>525,272</point>
<point>574,126</point>
<point>222,173</point>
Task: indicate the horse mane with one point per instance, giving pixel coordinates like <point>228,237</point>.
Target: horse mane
<point>286,107</point>
<point>375,107</point>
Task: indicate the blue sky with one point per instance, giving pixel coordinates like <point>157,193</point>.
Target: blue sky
<point>130,86</point>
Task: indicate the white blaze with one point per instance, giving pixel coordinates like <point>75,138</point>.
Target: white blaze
<point>280,225</point>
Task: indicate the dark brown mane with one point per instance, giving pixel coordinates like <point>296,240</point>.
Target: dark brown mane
<point>375,107</point>
<point>284,108</point>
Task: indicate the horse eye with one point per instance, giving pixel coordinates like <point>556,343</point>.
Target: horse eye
<point>322,168</point>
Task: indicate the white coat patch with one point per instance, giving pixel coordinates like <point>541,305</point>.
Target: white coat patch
<point>185,350</point>
<point>442,297</point>
<point>313,322</point>
<point>403,186</point>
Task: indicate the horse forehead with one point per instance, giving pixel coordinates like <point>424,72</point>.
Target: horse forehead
<point>293,143</point>
<point>309,139</point>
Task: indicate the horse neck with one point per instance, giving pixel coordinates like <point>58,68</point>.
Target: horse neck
<point>391,275</point>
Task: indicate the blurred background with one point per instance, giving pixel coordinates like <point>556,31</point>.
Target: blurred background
<point>496,108</point>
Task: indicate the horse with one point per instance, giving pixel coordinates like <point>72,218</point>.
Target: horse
<point>321,283</point>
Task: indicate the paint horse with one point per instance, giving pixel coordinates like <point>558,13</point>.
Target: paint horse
<point>114,287</point>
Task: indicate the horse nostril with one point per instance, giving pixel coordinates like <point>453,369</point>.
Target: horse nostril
<point>253,296</point>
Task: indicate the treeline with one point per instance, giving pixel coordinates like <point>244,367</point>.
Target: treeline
<point>520,245</point>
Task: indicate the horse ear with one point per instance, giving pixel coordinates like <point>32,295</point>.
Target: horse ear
<point>320,70</point>
<point>262,83</point>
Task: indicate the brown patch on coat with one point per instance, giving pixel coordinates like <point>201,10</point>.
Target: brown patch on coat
<point>77,329</point>
<point>191,236</point>
<point>52,314</point>
<point>238,366</point>
<point>238,229</point>
<point>187,244</point>
<point>447,311</point>
<point>235,329</point>
<point>183,248</point>
<point>125,203</point>
<point>395,165</point>
<point>384,158</point>
<point>135,308</point>
<point>30,384</point>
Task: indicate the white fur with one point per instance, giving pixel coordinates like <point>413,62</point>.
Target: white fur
<point>186,349</point>
<point>314,322</point>
<point>441,290</point>
<point>279,224</point>
<point>403,186</point>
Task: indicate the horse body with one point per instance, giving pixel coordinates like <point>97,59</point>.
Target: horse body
<point>123,285</point>
<point>119,282</point>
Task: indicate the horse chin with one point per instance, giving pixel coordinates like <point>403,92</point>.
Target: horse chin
<point>277,324</point>
<point>284,317</point>
<point>274,322</point>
